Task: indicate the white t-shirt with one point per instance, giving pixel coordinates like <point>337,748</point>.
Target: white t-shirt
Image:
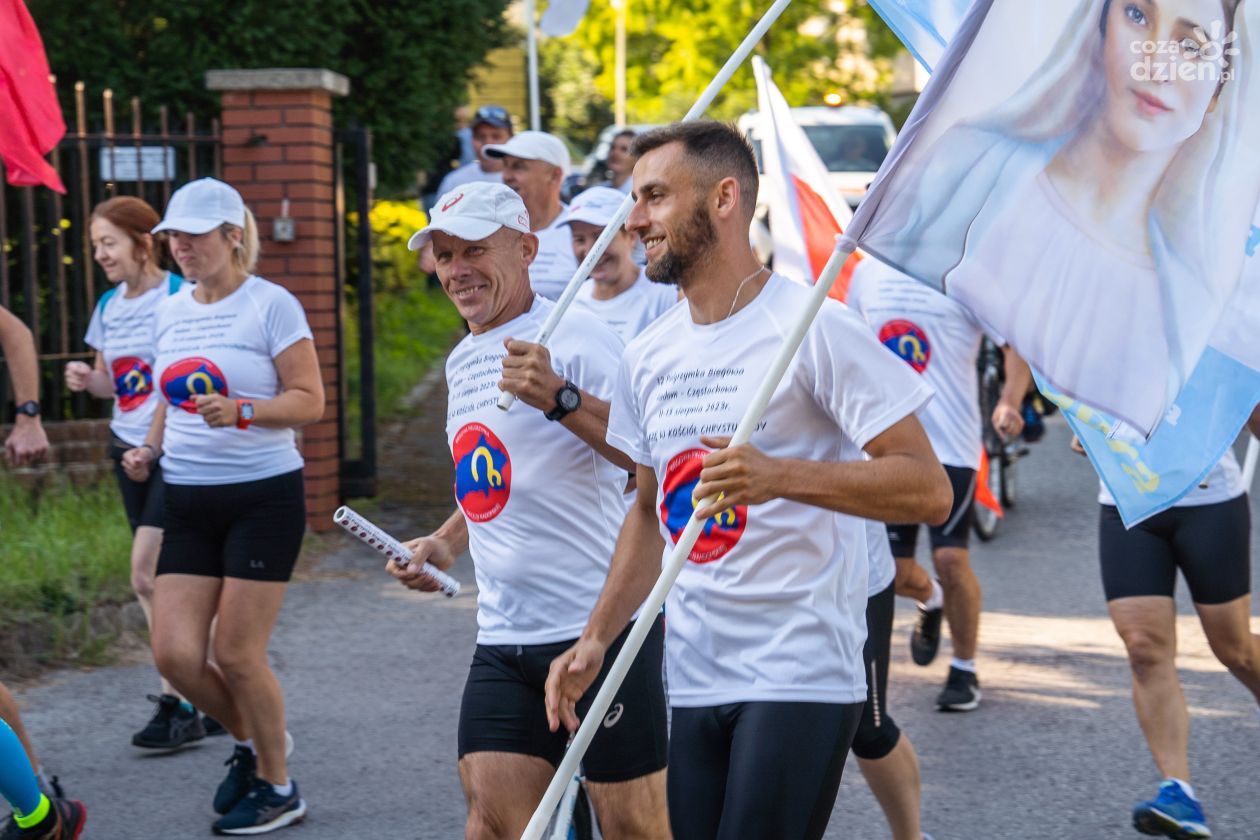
<point>771,605</point>
<point>555,264</point>
<point>226,347</point>
<point>121,329</point>
<point>937,337</point>
<point>1222,483</point>
<point>632,310</point>
<point>883,568</point>
<point>543,508</point>
<point>467,174</point>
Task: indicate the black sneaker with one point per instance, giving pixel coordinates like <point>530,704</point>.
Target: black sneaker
<point>212,726</point>
<point>961,693</point>
<point>172,726</point>
<point>65,821</point>
<point>262,811</point>
<point>242,767</point>
<point>925,640</point>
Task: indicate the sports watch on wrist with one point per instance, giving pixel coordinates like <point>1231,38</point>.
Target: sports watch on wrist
<point>30,408</point>
<point>244,414</point>
<point>568,400</point>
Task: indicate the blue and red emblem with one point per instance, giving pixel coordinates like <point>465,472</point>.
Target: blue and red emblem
<point>721,532</point>
<point>133,382</point>
<point>190,378</point>
<point>483,472</point>
<point>908,340</point>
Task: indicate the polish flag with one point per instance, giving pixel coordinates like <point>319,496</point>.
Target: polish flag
<point>806,211</point>
<point>30,118</point>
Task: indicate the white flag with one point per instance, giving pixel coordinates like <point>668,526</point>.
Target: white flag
<point>562,17</point>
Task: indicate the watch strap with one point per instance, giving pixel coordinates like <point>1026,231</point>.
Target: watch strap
<point>30,408</point>
<point>559,412</point>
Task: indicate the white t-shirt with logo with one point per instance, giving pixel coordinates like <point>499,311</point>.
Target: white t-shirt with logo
<point>555,264</point>
<point>937,337</point>
<point>226,347</point>
<point>543,508</point>
<point>1222,483</point>
<point>632,310</point>
<point>122,330</point>
<point>771,604</point>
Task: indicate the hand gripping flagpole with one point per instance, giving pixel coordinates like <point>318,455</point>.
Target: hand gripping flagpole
<point>656,598</point>
<point>619,218</point>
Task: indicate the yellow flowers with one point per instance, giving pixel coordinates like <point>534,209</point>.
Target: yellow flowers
<point>396,220</point>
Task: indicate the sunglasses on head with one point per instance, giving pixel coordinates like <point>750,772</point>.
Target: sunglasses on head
<point>492,112</point>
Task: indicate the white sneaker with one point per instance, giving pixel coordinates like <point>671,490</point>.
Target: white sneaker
<point>288,744</point>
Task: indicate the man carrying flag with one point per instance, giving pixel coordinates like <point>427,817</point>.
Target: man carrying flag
<point>940,339</point>
<point>766,622</point>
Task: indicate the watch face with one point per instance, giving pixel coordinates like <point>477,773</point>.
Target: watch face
<point>570,399</point>
<point>247,411</point>
<point>30,408</point>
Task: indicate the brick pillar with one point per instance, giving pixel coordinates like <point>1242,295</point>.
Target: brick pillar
<point>278,145</point>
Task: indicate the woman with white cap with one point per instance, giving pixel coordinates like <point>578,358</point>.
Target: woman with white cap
<point>237,367</point>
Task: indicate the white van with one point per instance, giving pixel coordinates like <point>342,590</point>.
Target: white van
<point>852,141</point>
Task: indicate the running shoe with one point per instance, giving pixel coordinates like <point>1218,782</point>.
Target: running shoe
<point>1172,813</point>
<point>65,821</point>
<point>926,638</point>
<point>262,811</point>
<point>212,726</point>
<point>242,767</point>
<point>172,726</point>
<point>961,693</point>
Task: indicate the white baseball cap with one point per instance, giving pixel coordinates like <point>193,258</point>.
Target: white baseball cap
<point>472,212</point>
<point>532,145</point>
<point>595,206</point>
<point>201,206</point>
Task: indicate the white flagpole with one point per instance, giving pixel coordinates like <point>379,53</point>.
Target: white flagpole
<point>1249,462</point>
<point>619,98</point>
<point>656,599</point>
<point>531,48</point>
<point>619,218</point>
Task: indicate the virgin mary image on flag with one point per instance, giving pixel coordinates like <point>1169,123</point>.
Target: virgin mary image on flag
<point>1082,175</point>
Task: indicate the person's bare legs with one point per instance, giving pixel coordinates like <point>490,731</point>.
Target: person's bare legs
<point>10,714</point>
<point>502,791</point>
<point>248,610</point>
<point>632,810</point>
<point>962,598</point>
<point>1147,626</point>
<point>894,779</point>
<point>1228,630</point>
<point>145,547</point>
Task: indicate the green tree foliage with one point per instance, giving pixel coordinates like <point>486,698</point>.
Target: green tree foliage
<point>408,63</point>
<point>675,47</point>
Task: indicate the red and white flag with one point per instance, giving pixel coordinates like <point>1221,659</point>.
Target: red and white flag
<point>806,210</point>
<point>30,118</point>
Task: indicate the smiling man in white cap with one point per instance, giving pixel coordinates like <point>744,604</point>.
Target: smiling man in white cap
<point>534,165</point>
<point>539,492</point>
<point>619,291</point>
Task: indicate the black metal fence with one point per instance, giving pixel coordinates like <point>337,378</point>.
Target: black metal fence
<point>47,275</point>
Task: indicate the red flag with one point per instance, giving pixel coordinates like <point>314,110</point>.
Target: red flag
<point>30,118</point>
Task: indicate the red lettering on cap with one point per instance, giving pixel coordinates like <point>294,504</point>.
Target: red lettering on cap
<point>456,200</point>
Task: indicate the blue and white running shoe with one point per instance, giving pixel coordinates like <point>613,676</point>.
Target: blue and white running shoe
<point>1173,813</point>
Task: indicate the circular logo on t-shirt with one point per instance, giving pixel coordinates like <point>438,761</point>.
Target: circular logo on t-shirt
<point>909,341</point>
<point>483,472</point>
<point>721,532</point>
<point>133,382</point>
<point>188,378</point>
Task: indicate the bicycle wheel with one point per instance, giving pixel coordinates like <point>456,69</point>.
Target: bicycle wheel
<point>1006,469</point>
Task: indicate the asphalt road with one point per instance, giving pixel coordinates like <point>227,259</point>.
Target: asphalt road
<point>373,675</point>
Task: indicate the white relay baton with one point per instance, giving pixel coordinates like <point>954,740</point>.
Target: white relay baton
<point>390,547</point>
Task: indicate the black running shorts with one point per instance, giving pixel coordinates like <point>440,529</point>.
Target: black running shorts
<point>757,770</point>
<point>877,733</point>
<point>503,708</point>
<point>142,500</point>
<point>955,533</point>
<point>1210,544</point>
<point>251,530</point>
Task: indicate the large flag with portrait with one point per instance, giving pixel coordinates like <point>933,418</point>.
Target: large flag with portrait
<point>1081,175</point>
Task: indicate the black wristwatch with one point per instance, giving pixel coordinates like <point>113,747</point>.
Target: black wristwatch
<point>568,400</point>
<point>30,408</point>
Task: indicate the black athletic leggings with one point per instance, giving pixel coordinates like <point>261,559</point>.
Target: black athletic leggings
<point>757,771</point>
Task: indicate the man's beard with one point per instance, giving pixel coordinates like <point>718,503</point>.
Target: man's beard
<point>690,244</point>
